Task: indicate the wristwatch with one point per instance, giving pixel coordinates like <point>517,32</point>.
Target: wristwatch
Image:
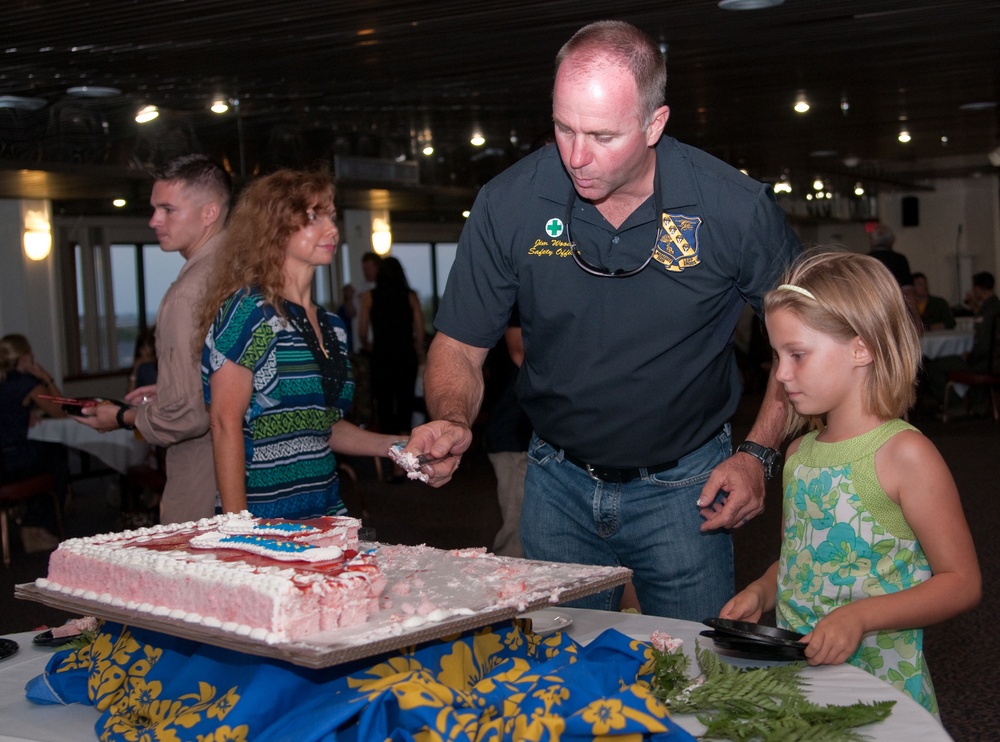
<point>120,418</point>
<point>769,457</point>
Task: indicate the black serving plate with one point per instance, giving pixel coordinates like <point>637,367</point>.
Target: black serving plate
<point>755,632</point>
<point>45,639</point>
<point>756,649</point>
<point>7,648</point>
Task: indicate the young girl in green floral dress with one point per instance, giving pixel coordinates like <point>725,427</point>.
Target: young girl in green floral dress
<point>875,543</point>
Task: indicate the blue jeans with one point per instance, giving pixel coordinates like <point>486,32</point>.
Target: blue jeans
<point>650,525</point>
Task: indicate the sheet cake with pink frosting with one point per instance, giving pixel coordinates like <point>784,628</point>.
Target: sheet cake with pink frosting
<point>272,580</point>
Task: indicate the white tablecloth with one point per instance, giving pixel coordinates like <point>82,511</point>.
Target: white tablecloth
<point>118,449</point>
<point>938,343</point>
<point>841,684</point>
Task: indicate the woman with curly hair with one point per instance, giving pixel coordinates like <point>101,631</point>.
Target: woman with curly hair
<point>275,365</point>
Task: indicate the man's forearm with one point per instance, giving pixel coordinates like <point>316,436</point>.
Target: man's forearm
<point>769,427</point>
<point>453,381</point>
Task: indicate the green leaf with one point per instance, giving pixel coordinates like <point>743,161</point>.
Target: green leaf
<point>762,703</point>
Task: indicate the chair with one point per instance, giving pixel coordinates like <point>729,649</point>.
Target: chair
<point>990,379</point>
<point>16,492</point>
<point>150,476</point>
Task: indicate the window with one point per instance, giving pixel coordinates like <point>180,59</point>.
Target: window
<point>114,285</point>
<point>426,266</point>
<point>115,278</point>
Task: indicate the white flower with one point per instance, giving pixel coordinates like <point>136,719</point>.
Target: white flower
<point>664,642</point>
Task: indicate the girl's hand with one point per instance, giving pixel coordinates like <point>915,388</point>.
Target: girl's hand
<point>835,638</point>
<point>744,606</point>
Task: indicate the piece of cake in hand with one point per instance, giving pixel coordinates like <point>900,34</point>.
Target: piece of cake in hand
<point>271,579</point>
<point>408,462</point>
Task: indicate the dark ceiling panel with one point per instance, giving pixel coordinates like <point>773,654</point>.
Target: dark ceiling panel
<point>316,79</point>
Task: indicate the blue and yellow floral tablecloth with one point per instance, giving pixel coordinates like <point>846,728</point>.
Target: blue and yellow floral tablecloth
<point>501,682</point>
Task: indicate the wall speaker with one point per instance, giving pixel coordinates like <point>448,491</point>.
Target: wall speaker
<point>911,211</point>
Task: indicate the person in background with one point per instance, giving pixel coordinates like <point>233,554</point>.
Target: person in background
<point>630,257</point>
<point>190,203</point>
<point>986,311</point>
<point>369,267</point>
<point>24,386</point>
<point>934,310</point>
<point>143,371</point>
<point>881,240</point>
<point>506,435</point>
<point>392,311</point>
<point>874,544</point>
<point>276,373</point>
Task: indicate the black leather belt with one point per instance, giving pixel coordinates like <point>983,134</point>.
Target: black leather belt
<point>614,475</point>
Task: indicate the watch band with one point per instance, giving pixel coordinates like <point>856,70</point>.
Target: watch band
<point>769,457</point>
<point>120,418</point>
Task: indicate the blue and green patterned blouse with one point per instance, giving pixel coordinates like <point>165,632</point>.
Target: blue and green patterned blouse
<point>845,540</point>
<point>298,394</point>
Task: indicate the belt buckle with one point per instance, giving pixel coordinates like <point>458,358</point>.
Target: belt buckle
<point>593,474</point>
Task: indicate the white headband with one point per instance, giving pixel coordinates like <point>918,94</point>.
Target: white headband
<point>790,287</point>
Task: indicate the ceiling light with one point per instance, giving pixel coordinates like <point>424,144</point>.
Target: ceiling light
<point>904,135</point>
<point>119,202</point>
<point>22,103</point>
<point>381,235</point>
<point>818,184</point>
<point>93,91</point>
<point>782,186</point>
<point>147,114</point>
<point>478,140</point>
<point>219,105</point>
<point>994,157</point>
<point>749,4</point>
<point>801,104</point>
<point>845,105</point>
<point>859,190</point>
<point>980,105</point>
<point>428,150</point>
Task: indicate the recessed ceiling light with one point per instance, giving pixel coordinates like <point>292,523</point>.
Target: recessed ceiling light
<point>823,153</point>
<point>93,91</point>
<point>21,102</point>
<point>982,105</point>
<point>749,4</point>
<point>147,114</point>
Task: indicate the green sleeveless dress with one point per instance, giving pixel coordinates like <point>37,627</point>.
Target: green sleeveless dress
<point>844,540</point>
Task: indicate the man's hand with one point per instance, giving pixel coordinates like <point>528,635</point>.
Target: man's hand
<point>100,417</point>
<point>440,439</point>
<point>733,494</point>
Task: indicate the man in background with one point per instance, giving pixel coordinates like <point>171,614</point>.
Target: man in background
<point>934,310</point>
<point>881,239</point>
<point>986,311</point>
<point>190,203</point>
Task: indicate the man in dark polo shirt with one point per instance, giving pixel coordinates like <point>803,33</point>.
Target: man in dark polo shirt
<point>630,257</point>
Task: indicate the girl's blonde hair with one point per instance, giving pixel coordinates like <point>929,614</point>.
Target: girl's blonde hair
<point>846,295</point>
<point>269,211</point>
<point>12,347</point>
